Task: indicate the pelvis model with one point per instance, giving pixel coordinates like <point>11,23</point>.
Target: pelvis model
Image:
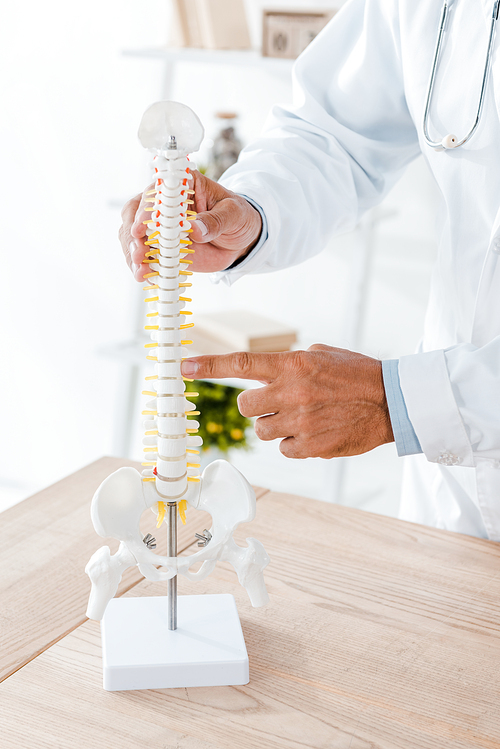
<point>170,479</point>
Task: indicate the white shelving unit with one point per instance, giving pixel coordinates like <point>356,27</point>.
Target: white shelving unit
<point>250,57</point>
<point>173,56</point>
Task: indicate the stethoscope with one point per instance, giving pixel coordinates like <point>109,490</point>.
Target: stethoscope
<point>450,140</point>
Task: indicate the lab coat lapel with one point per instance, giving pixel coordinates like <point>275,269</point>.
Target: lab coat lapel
<point>486,323</point>
<point>487,307</point>
<point>495,58</point>
<point>487,8</point>
<point>487,311</point>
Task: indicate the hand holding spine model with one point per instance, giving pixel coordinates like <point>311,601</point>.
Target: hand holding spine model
<point>171,446</point>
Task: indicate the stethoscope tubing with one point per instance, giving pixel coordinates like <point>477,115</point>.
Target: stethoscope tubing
<point>439,145</point>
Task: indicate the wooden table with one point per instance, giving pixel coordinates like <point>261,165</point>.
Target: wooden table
<point>380,635</point>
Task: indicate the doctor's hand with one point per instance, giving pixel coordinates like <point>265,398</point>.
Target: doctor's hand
<point>323,403</point>
<point>226,228</point>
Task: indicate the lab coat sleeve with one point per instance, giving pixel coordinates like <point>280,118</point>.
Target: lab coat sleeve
<point>452,398</point>
<point>321,163</point>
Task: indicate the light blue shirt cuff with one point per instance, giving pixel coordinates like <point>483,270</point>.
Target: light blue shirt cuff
<point>263,234</point>
<point>404,435</point>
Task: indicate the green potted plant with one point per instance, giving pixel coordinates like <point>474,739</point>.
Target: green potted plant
<point>222,427</point>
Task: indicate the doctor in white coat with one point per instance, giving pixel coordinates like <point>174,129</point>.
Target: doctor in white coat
<point>357,122</point>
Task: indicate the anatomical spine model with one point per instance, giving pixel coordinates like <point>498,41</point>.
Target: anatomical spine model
<point>170,479</point>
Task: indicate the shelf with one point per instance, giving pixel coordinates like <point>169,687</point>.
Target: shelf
<point>250,58</point>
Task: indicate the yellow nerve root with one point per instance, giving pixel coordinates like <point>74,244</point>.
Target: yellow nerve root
<point>182,506</point>
<point>161,514</point>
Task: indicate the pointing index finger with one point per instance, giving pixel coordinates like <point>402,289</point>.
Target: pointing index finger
<point>243,365</point>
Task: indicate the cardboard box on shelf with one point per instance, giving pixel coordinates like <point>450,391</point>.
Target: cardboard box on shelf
<point>287,33</point>
<point>211,24</point>
<point>184,30</point>
<point>223,24</point>
<point>240,330</point>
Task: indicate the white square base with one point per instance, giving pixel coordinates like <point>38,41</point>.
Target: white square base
<point>206,650</point>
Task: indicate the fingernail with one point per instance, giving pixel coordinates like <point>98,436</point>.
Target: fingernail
<point>202,228</point>
<point>134,268</point>
<point>189,368</point>
<point>132,248</point>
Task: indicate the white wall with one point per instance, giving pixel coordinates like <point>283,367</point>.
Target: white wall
<point>71,105</point>
<point>70,108</point>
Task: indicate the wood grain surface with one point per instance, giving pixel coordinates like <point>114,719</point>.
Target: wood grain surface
<point>45,543</point>
<point>380,635</point>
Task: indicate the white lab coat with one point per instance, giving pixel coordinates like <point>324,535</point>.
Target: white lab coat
<point>360,92</point>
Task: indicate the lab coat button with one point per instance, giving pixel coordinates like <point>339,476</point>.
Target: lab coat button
<point>496,246</point>
<point>448,459</point>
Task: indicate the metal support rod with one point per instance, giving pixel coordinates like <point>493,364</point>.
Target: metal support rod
<point>172,552</point>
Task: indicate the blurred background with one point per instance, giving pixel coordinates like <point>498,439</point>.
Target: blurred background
<point>75,81</point>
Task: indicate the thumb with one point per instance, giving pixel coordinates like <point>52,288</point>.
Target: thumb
<point>227,217</point>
